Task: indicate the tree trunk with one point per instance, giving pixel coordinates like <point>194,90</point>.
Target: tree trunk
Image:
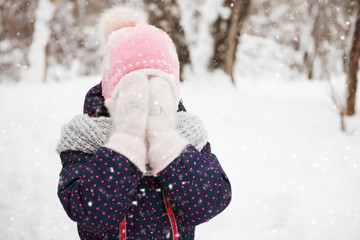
<point>238,13</point>
<point>353,68</point>
<point>310,37</point>
<point>38,51</point>
<point>166,16</point>
<point>226,36</point>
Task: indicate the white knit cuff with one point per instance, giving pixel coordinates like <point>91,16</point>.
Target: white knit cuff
<point>191,127</point>
<point>164,148</point>
<point>84,133</point>
<point>132,147</point>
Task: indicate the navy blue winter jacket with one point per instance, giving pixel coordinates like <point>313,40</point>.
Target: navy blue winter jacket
<point>108,197</point>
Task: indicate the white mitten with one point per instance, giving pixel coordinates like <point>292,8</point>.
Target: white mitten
<point>128,109</point>
<point>165,143</point>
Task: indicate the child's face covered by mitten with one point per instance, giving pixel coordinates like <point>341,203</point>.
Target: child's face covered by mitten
<point>129,113</point>
<point>165,143</point>
<point>129,105</point>
<point>135,53</point>
<point>162,106</point>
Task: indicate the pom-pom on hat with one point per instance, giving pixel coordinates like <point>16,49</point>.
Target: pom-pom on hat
<point>134,45</point>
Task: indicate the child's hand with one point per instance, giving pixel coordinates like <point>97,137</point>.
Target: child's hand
<point>165,144</point>
<point>128,107</point>
<point>128,110</point>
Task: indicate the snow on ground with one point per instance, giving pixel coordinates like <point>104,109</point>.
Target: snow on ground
<point>294,174</point>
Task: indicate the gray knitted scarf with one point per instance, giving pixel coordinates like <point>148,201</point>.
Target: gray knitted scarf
<point>87,134</point>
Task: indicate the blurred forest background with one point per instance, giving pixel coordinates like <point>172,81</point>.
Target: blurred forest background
<point>322,36</point>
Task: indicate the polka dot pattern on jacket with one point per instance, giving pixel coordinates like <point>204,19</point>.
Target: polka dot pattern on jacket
<point>100,190</point>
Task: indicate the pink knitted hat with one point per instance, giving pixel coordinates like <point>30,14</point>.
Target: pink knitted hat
<point>133,45</point>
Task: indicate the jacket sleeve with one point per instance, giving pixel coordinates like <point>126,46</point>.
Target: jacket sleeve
<point>197,185</point>
<point>94,100</point>
<point>96,190</point>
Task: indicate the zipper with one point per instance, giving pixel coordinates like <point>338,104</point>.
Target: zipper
<point>123,229</point>
<point>171,216</point>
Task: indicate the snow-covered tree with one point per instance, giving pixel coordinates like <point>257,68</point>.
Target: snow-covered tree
<point>39,47</point>
<point>353,67</point>
<point>226,30</point>
<point>16,33</point>
<point>74,44</point>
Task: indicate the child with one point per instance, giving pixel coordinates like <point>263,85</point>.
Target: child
<point>147,171</point>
